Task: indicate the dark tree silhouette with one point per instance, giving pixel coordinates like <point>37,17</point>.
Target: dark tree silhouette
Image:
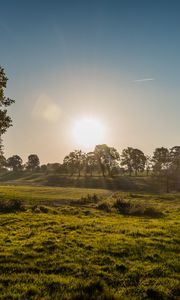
<point>133,160</point>
<point>162,167</point>
<point>33,162</point>
<point>100,151</point>
<point>3,162</point>
<point>15,163</point>
<point>127,159</point>
<point>5,120</point>
<point>161,159</point>
<point>175,154</point>
<point>70,162</point>
<point>107,158</point>
<point>53,167</point>
<point>175,166</point>
<point>139,161</point>
<point>111,160</point>
<point>148,164</point>
<point>90,163</point>
<point>75,161</point>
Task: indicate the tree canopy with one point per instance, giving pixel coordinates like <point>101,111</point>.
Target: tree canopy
<point>5,119</point>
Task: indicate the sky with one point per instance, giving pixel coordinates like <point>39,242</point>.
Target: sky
<point>116,61</point>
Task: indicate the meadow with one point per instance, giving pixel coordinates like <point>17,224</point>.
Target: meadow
<point>97,181</point>
<point>75,243</point>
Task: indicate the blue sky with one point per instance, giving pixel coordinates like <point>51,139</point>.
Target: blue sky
<point>117,61</point>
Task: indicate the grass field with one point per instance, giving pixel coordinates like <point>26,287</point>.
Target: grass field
<point>36,194</point>
<point>126,183</point>
<point>67,245</point>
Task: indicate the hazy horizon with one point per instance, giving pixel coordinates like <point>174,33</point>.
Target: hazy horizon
<point>116,62</point>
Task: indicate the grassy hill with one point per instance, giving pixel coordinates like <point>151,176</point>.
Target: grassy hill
<point>125,183</point>
<point>72,243</point>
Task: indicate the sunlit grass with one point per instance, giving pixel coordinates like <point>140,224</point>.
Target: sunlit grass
<point>80,252</point>
<point>46,193</point>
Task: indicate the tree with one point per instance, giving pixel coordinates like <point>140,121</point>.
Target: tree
<point>160,159</point>
<point>175,166</point>
<point>70,162</point>
<point>127,159</point>
<point>107,158</point>
<point>112,160</point>
<point>162,167</point>
<point>133,159</point>
<point>5,120</point>
<point>3,162</point>
<point>53,167</point>
<point>90,162</point>
<point>99,152</point>
<point>15,163</point>
<point>75,161</point>
<point>33,162</point>
<point>139,161</point>
<point>148,164</point>
<point>175,155</point>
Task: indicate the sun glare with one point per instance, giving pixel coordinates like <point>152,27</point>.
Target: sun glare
<point>88,132</point>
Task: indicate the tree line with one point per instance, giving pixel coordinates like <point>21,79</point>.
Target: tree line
<point>105,160</point>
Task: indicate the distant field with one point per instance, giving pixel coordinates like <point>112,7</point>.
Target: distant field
<point>126,183</point>
<point>35,194</point>
<point>83,247</point>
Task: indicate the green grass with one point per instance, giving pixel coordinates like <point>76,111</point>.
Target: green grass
<point>80,252</point>
<point>36,194</point>
<point>126,183</point>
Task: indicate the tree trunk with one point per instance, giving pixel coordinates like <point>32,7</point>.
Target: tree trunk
<point>167,184</point>
<point>91,172</point>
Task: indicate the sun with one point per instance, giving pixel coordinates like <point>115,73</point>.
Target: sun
<point>88,132</point>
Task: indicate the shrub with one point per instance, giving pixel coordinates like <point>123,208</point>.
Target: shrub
<point>44,209</point>
<point>122,206</point>
<point>105,206</point>
<point>87,200</point>
<point>11,206</point>
<point>128,208</point>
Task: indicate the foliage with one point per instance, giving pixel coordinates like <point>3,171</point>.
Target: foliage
<point>167,167</point>
<point>133,160</point>
<point>163,166</point>
<point>15,163</point>
<point>75,161</point>
<point>136,209</point>
<point>12,205</point>
<point>160,159</point>
<point>3,162</point>
<point>90,163</point>
<point>33,162</point>
<point>5,120</point>
<point>107,158</point>
<point>105,206</point>
<point>54,168</point>
<point>148,164</point>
